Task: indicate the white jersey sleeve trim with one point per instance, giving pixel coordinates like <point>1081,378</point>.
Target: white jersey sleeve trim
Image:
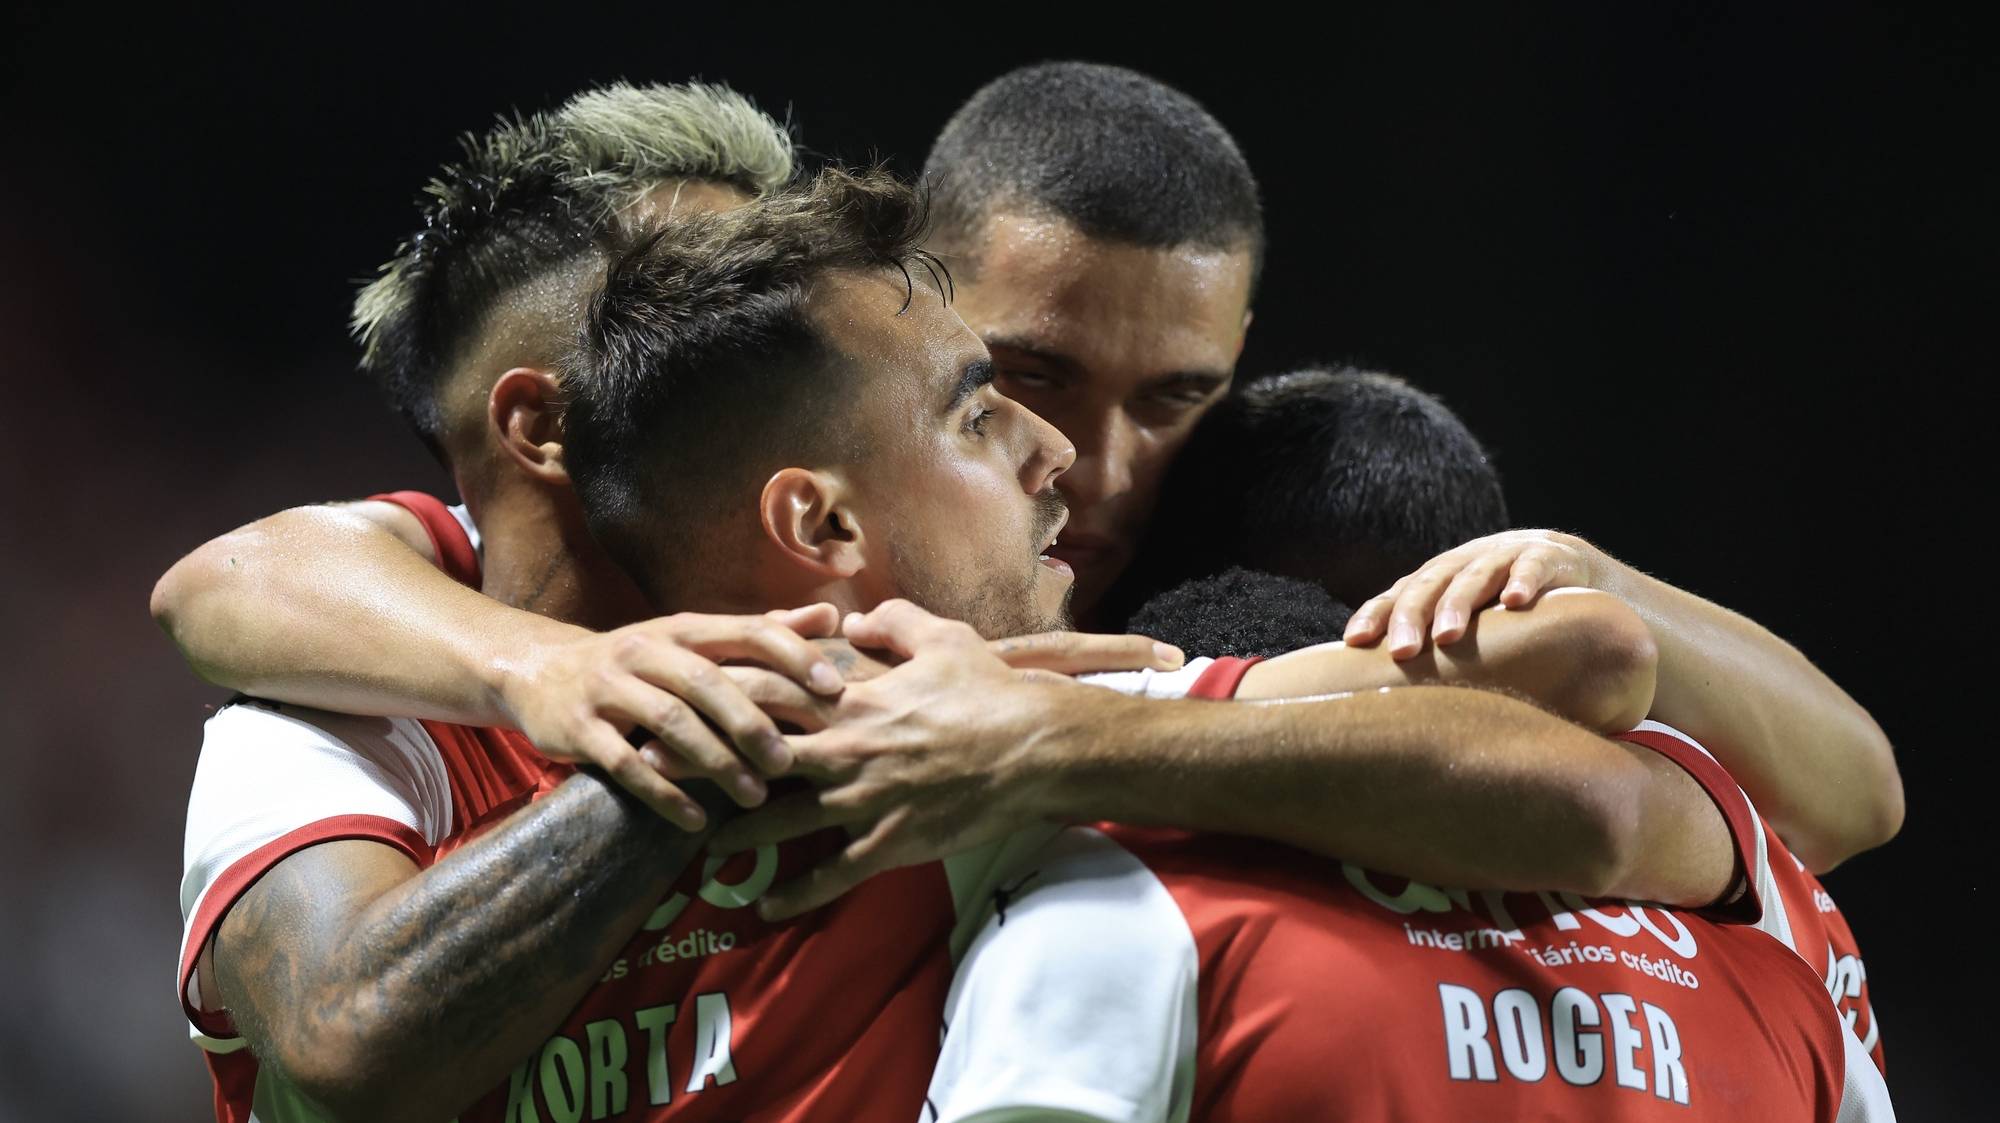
<point>1077,999</point>
<point>268,774</point>
<point>1773,921</point>
<point>1864,1096</point>
<point>1152,684</point>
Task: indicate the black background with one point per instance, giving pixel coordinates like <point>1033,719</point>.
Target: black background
<point>1703,278</point>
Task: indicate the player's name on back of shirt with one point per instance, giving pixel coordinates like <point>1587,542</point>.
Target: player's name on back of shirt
<point>1326,985</point>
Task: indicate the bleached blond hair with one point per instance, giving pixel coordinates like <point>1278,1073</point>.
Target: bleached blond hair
<point>619,141</point>
<point>531,194</point>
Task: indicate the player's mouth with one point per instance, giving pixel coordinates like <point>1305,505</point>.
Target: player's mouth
<point>1048,557</point>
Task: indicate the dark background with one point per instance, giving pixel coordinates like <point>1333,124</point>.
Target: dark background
<point>1704,280</point>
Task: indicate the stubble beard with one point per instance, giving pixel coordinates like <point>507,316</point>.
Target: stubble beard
<point>996,609</point>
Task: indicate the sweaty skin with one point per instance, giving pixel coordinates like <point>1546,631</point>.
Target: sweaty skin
<point>1817,765</point>
<point>1123,348</point>
<point>345,967</point>
<point>249,609</point>
<point>382,957</point>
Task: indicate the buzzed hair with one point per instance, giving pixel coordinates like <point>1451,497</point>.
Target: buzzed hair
<point>1120,155</point>
<point>1355,478</point>
<point>1346,478</point>
<point>531,196</point>
<point>699,370</point>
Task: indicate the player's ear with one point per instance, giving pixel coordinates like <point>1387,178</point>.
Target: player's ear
<point>524,412</point>
<point>1244,336</point>
<point>809,517</point>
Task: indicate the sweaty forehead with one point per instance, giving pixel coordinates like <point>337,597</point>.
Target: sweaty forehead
<point>1108,306</point>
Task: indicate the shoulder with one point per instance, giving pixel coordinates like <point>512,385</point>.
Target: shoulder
<point>262,761</point>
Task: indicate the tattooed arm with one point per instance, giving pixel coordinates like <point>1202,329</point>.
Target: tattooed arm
<point>348,969</point>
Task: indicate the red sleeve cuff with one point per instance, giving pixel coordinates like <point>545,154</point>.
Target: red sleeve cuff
<point>224,892</point>
<point>1220,679</point>
<point>1739,904</point>
<point>449,543</point>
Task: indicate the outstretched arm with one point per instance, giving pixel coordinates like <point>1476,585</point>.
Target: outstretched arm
<point>1581,655</point>
<point>1814,761</point>
<point>1453,786</point>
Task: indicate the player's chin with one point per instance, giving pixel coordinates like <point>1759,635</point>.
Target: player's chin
<point>1053,590</point>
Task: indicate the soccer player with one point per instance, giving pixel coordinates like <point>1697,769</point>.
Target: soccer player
<point>447,654</point>
<point>387,916</point>
<point>1358,477</point>
<point>1166,931</point>
<point>650,391</point>
<point>1106,239</point>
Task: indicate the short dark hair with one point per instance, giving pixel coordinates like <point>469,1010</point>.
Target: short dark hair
<point>698,363</point>
<point>1344,477</point>
<point>1242,612</point>
<point>1122,156</point>
<point>531,195</point>
<point>491,220</point>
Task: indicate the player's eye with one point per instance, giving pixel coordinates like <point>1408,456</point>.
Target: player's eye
<point>975,422</point>
<point>1028,380</point>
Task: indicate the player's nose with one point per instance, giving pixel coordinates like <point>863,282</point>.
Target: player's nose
<point>1049,453</point>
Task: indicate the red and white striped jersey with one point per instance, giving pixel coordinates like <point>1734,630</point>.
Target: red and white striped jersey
<point>708,1013</point>
<point>1116,974</point>
<point>1247,980</point>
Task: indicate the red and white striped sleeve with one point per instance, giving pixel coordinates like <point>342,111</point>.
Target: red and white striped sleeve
<point>273,780</point>
<point>1199,678</point>
<point>1745,901</point>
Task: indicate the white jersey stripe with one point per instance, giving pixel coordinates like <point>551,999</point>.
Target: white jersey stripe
<point>1088,940</point>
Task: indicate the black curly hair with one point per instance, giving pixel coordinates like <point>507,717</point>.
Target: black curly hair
<point>1242,612</point>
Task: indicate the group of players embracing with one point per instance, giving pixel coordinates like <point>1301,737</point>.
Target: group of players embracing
<point>741,762</point>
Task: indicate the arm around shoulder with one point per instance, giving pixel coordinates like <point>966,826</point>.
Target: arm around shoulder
<point>208,601</point>
<point>1583,655</point>
<point>343,608</point>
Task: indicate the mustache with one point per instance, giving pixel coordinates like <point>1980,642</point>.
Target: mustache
<point>1050,507</point>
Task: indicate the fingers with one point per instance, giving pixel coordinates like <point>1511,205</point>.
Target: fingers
<point>700,684</point>
<point>902,627</point>
<point>669,715</point>
<point>1039,677</point>
<point>1077,653</point>
<point>782,698</point>
<point>783,819</point>
<point>1371,620</point>
<point>1410,618</point>
<point>813,621</point>
<point>765,640</point>
<point>823,758</point>
<point>637,772</point>
<point>1474,588</point>
<point>862,859</point>
<point>1531,576</point>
